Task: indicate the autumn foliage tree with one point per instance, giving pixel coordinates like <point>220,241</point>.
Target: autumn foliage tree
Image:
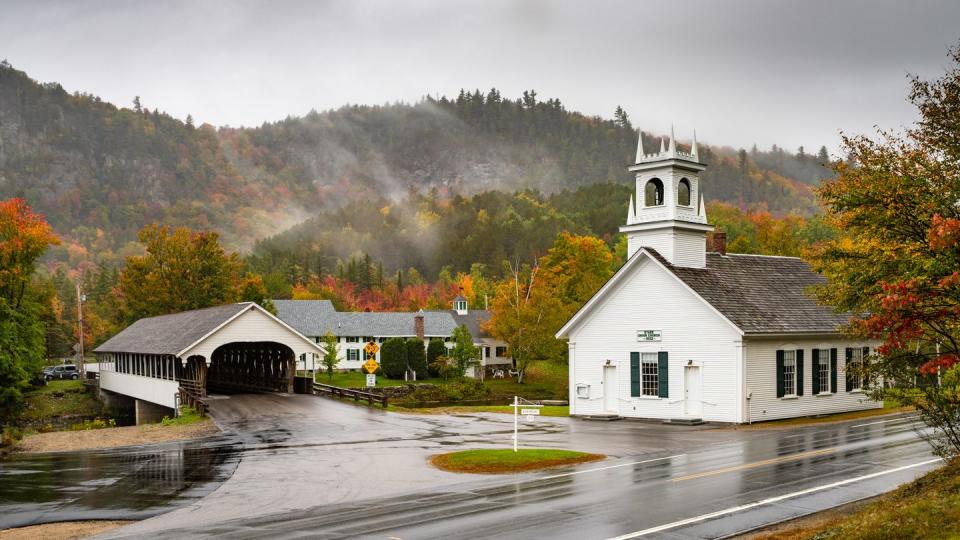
<point>898,265</point>
<point>183,270</point>
<point>24,236</point>
<point>531,305</point>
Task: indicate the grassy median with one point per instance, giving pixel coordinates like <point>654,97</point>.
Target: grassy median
<point>501,461</point>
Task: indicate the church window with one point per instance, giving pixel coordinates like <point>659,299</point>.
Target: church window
<point>789,373</point>
<point>854,366</point>
<point>683,192</point>
<point>653,193</point>
<point>650,374</point>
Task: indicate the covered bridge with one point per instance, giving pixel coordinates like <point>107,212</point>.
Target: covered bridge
<point>158,361</point>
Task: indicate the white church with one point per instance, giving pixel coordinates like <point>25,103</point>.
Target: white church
<point>680,334</point>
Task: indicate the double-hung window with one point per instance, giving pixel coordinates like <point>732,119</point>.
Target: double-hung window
<point>649,374</point>
<point>824,371</point>
<point>854,363</point>
<point>353,354</point>
<point>790,373</point>
<point>353,339</point>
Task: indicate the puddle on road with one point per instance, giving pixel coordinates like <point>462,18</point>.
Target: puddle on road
<point>126,483</point>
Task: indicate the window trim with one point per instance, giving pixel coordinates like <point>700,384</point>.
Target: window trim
<point>824,369</point>
<point>793,378</point>
<point>645,360</point>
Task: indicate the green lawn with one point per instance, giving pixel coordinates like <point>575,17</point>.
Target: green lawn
<point>356,379</point>
<point>507,461</point>
<point>59,398</point>
<point>549,410</point>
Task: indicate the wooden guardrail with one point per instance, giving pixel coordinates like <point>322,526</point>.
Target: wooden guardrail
<point>191,394</point>
<point>357,395</point>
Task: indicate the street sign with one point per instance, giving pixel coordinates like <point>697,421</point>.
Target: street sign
<point>530,412</point>
<point>371,348</point>
<point>371,379</point>
<point>530,418</point>
<point>371,366</point>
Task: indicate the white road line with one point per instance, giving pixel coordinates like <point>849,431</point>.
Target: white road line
<point>885,421</point>
<point>771,500</point>
<point>609,467</point>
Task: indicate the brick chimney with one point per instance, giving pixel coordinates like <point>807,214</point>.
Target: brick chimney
<point>720,242</point>
<point>418,324</point>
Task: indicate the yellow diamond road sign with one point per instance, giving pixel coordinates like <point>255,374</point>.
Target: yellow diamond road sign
<point>371,365</point>
<point>371,348</point>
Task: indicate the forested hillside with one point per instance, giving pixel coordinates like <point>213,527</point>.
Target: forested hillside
<point>384,179</point>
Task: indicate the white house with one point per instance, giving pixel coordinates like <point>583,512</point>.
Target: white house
<point>685,335</point>
<point>354,329</point>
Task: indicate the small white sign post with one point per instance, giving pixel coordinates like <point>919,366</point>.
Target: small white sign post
<point>531,410</point>
<point>371,380</point>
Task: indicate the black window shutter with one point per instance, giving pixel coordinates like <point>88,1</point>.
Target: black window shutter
<point>846,369</point>
<point>815,364</point>
<point>799,369</point>
<point>833,370</point>
<point>634,374</point>
<point>663,374</point>
<point>779,373</point>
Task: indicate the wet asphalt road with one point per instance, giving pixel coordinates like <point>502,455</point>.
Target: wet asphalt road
<point>312,467</point>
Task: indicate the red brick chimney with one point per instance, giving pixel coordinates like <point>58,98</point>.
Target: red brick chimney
<point>418,325</point>
<point>720,242</point>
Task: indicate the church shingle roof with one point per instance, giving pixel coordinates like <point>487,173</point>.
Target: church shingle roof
<point>761,294</point>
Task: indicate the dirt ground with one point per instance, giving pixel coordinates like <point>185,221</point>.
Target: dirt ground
<point>61,531</point>
<point>63,441</point>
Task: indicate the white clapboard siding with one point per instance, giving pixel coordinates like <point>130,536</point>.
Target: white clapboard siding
<point>251,326</point>
<point>761,372</point>
<point>650,298</point>
<point>160,391</point>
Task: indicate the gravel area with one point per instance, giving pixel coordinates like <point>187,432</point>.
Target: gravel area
<point>64,441</point>
<point>61,531</point>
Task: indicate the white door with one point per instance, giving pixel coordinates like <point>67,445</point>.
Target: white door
<point>692,391</point>
<point>610,389</point>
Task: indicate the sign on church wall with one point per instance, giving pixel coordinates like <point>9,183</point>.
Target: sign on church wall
<point>648,335</point>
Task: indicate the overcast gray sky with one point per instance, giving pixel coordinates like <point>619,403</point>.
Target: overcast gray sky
<point>790,73</point>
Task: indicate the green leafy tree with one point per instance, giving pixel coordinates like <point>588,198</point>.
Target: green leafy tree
<point>330,354</point>
<point>464,354</point>
<point>435,349</point>
<point>417,357</point>
<point>393,358</point>
<point>897,264</point>
<point>24,236</point>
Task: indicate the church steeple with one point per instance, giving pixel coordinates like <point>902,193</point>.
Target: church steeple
<point>668,213</point>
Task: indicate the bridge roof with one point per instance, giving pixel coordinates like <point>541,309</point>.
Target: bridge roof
<point>170,334</point>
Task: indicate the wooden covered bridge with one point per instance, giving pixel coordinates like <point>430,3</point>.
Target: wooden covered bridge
<point>163,361</point>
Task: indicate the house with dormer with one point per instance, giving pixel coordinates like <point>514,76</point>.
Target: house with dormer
<point>354,329</point>
<point>683,334</point>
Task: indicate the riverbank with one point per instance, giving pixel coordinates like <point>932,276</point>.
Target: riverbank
<point>69,530</point>
<point>66,441</point>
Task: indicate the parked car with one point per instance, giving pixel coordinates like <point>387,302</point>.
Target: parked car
<point>65,371</point>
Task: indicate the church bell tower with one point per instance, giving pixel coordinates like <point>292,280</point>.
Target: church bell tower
<point>667,212</point>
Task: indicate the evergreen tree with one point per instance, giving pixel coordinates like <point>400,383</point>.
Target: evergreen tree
<point>417,357</point>
<point>393,358</point>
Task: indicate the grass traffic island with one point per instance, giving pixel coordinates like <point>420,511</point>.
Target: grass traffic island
<point>500,461</point>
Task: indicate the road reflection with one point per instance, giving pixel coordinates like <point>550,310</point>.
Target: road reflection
<point>126,483</point>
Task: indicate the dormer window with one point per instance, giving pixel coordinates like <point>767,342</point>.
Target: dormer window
<point>653,193</point>
<point>460,306</point>
<point>683,192</point>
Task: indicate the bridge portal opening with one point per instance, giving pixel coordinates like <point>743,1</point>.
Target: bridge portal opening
<point>258,366</point>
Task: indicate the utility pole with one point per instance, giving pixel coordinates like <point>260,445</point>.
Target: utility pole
<point>80,298</point>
